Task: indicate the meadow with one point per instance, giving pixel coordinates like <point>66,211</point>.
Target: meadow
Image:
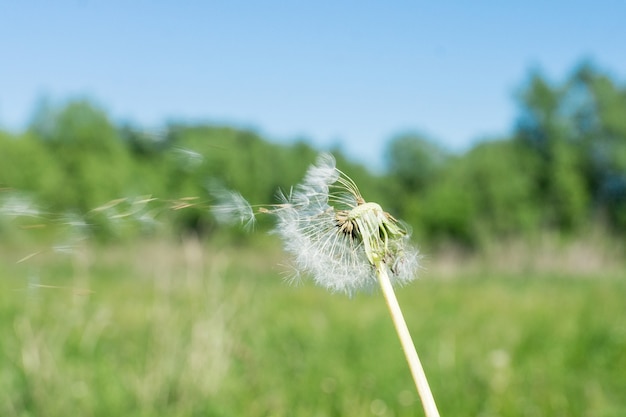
<point>193,328</point>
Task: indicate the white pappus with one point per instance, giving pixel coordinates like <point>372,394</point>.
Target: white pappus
<point>333,234</point>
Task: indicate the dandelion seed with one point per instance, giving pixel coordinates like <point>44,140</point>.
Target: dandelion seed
<point>183,203</point>
<point>189,159</point>
<point>19,206</point>
<point>109,205</point>
<point>27,257</point>
<point>65,249</point>
<point>230,208</point>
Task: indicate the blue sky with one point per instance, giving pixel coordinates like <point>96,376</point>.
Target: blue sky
<point>348,73</point>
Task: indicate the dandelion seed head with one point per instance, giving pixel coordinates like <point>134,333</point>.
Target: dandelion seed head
<point>337,237</point>
<point>332,233</point>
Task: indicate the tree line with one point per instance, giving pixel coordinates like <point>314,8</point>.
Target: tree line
<point>562,168</point>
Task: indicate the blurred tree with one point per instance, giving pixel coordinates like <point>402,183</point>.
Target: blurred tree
<point>500,174</point>
<point>487,192</point>
<point>414,164</point>
<point>144,143</point>
<point>446,209</point>
<point>27,166</point>
<point>559,179</point>
<point>148,150</point>
<point>596,111</point>
<point>95,164</point>
<point>414,160</point>
<point>579,131</point>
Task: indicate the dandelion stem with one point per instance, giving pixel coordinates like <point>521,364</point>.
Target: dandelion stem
<point>421,383</point>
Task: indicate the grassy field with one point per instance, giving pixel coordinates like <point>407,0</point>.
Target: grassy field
<point>194,330</point>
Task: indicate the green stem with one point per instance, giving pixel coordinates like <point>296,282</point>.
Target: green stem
<point>419,377</point>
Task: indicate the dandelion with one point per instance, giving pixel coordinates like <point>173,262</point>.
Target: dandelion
<point>338,237</point>
<point>344,242</point>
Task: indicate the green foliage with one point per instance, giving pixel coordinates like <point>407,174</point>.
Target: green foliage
<point>26,166</point>
<point>414,161</point>
<point>93,159</point>
<point>445,209</point>
<point>544,129</point>
<point>576,130</point>
<point>502,177</point>
<point>490,191</point>
<point>562,168</point>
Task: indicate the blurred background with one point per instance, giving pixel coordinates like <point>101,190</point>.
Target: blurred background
<point>497,132</point>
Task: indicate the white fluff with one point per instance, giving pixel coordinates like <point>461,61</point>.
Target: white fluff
<point>307,224</point>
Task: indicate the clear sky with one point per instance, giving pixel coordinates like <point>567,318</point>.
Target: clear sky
<point>352,73</point>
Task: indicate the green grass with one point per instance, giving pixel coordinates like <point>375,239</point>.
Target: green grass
<point>193,330</point>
